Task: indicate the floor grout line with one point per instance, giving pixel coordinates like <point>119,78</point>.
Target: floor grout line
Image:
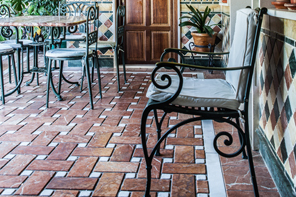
<point>213,164</point>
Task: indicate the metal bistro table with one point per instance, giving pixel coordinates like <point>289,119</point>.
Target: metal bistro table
<point>57,25</point>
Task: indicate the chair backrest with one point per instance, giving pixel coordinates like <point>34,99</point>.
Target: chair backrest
<point>4,11</point>
<point>120,18</point>
<point>243,50</point>
<point>74,8</point>
<point>92,24</point>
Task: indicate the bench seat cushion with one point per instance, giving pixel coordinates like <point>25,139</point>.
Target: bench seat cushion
<point>197,92</point>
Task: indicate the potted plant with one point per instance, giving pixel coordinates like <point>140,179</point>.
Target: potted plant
<point>204,36</point>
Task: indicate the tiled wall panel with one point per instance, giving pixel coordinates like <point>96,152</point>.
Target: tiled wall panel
<point>277,70</point>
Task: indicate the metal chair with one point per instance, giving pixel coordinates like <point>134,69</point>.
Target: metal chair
<point>117,45</point>
<point>6,50</point>
<point>84,54</point>
<point>208,99</point>
<point>19,45</point>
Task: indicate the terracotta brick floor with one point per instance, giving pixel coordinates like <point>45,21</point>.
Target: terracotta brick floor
<point>69,150</point>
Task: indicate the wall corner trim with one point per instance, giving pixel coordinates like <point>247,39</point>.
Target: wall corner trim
<point>276,169</point>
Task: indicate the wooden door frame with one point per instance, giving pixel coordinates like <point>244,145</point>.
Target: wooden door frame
<point>176,30</point>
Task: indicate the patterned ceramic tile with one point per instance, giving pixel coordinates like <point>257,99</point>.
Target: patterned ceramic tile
<point>278,90</point>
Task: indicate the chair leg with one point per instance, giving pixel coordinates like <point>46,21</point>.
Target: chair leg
<point>123,65</point>
<point>14,69</point>
<point>250,157</point>
<point>19,67</point>
<point>99,75</point>
<point>2,81</point>
<point>89,84</point>
<point>28,59</point>
<point>158,128</point>
<point>9,69</point>
<point>117,68</point>
<point>60,76</point>
<point>48,81</point>
<point>92,69</point>
<point>82,78</point>
<point>244,156</point>
<point>145,151</point>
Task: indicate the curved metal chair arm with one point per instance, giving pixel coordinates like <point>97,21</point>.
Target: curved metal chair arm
<point>171,64</point>
<point>195,52</point>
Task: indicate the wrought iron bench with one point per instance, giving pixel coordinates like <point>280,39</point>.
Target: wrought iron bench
<point>215,99</point>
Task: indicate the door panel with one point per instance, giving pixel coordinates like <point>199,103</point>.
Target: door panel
<point>135,39</point>
<point>135,12</point>
<point>163,38</point>
<point>160,12</point>
<point>150,28</point>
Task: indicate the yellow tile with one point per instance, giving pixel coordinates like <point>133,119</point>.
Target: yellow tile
<point>290,28</point>
<point>103,28</point>
<point>291,127</point>
<point>268,130</point>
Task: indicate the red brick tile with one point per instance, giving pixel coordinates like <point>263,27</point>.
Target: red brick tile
<point>152,140</point>
<point>185,141</point>
<point>183,185</point>
<point>156,168</point>
<point>17,165</point>
<point>106,129</point>
<point>3,162</point>
<point>5,128</point>
<point>244,193</point>
<point>202,186</point>
<point>29,128</point>
<point>50,165</point>
<point>62,152</point>
<point>200,154</point>
<point>162,185</point>
<point>125,140</point>
<point>6,147</point>
<point>179,168</point>
<point>11,181</point>
<point>17,137</point>
<point>109,184</point>
<point>122,153</point>
<point>163,152</point>
<point>93,152</point>
<point>65,119</point>
<point>72,183</point>
<point>72,138</point>
<point>111,121</point>
<point>65,193</point>
<point>81,129</point>
<point>185,132</point>
<point>32,150</point>
<point>240,175</point>
<point>141,194</point>
<point>100,140</point>
<point>45,138</point>
<point>35,183</point>
<point>116,167</point>
<point>60,128</point>
<point>16,119</point>
<point>198,131</point>
<point>184,154</point>
<point>83,167</point>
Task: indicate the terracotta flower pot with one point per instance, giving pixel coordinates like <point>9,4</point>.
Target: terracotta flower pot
<point>283,0</point>
<point>293,1</point>
<point>203,40</point>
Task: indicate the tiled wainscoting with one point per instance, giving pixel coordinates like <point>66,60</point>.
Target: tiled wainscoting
<point>276,75</point>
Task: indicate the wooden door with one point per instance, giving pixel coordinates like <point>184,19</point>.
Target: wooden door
<point>150,28</point>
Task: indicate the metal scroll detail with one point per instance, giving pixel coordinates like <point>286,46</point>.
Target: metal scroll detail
<point>6,32</point>
<point>4,11</point>
<point>92,37</point>
<point>229,140</point>
<point>167,78</point>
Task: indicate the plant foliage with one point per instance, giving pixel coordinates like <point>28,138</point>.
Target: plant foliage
<point>198,20</point>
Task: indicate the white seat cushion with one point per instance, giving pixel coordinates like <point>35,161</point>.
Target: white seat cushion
<point>14,45</point>
<point>197,92</point>
<point>73,37</point>
<point>100,45</point>
<point>67,52</point>
<point>5,48</point>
